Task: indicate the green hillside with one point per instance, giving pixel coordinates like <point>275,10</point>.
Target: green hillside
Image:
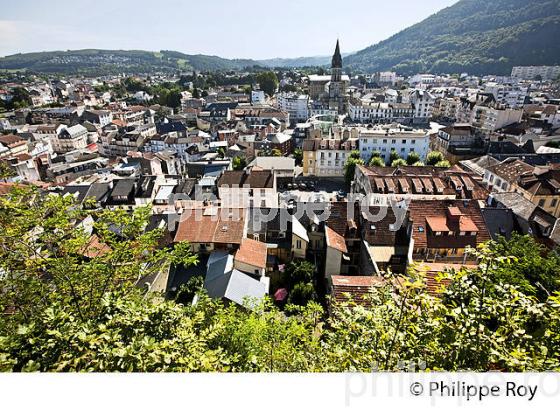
<point>99,62</point>
<point>474,36</point>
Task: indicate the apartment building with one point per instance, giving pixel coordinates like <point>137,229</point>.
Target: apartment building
<point>327,157</point>
<point>401,139</point>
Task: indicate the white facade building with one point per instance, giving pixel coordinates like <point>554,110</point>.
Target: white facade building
<point>530,72</point>
<point>423,103</point>
<point>400,139</point>
<point>70,139</point>
<point>511,95</point>
<point>376,112</point>
<point>258,97</point>
<point>295,104</point>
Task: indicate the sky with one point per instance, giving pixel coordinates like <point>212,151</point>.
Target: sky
<point>255,29</point>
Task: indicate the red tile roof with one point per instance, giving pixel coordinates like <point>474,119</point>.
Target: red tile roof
<point>252,253</point>
<point>198,228</point>
<point>95,248</point>
<point>334,240</point>
<point>428,217</point>
<point>354,288</point>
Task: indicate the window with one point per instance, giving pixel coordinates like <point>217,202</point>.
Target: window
<point>553,202</point>
<point>393,141</point>
<point>298,244</point>
<point>413,141</point>
<point>541,203</point>
<point>404,141</point>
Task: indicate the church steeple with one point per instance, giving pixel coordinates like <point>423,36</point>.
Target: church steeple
<point>337,58</point>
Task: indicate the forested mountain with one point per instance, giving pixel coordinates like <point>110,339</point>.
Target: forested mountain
<point>98,62</point>
<point>474,36</point>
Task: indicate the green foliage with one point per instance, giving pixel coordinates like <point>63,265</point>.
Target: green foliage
<point>398,163</point>
<point>301,294</point>
<point>298,156</point>
<point>376,162</point>
<point>239,163</point>
<point>6,171</point>
<point>374,154</point>
<point>299,271</point>
<point>350,169</point>
<point>187,291</point>
<point>128,334</point>
<point>434,157</point>
<point>289,88</point>
<point>355,154</point>
<point>393,156</point>
<point>20,99</point>
<point>475,36</point>
<point>443,164</point>
<point>268,82</point>
<point>276,152</point>
<point>412,158</point>
<point>536,271</point>
<point>102,62</point>
<point>47,260</point>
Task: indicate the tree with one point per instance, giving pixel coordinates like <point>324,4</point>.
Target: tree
<point>20,99</point>
<point>6,171</point>
<point>443,164</point>
<point>434,157</point>
<point>377,162</point>
<point>239,163</point>
<point>299,271</point>
<point>393,156</point>
<point>418,164</point>
<point>275,152</point>
<point>287,88</point>
<point>476,322</point>
<point>355,154</point>
<point>375,154</point>
<point>536,268</point>
<point>301,294</point>
<point>129,334</point>
<point>298,156</point>
<point>398,163</point>
<point>187,291</point>
<point>350,169</point>
<point>196,93</point>
<point>412,158</point>
<point>46,259</point>
<point>268,82</point>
